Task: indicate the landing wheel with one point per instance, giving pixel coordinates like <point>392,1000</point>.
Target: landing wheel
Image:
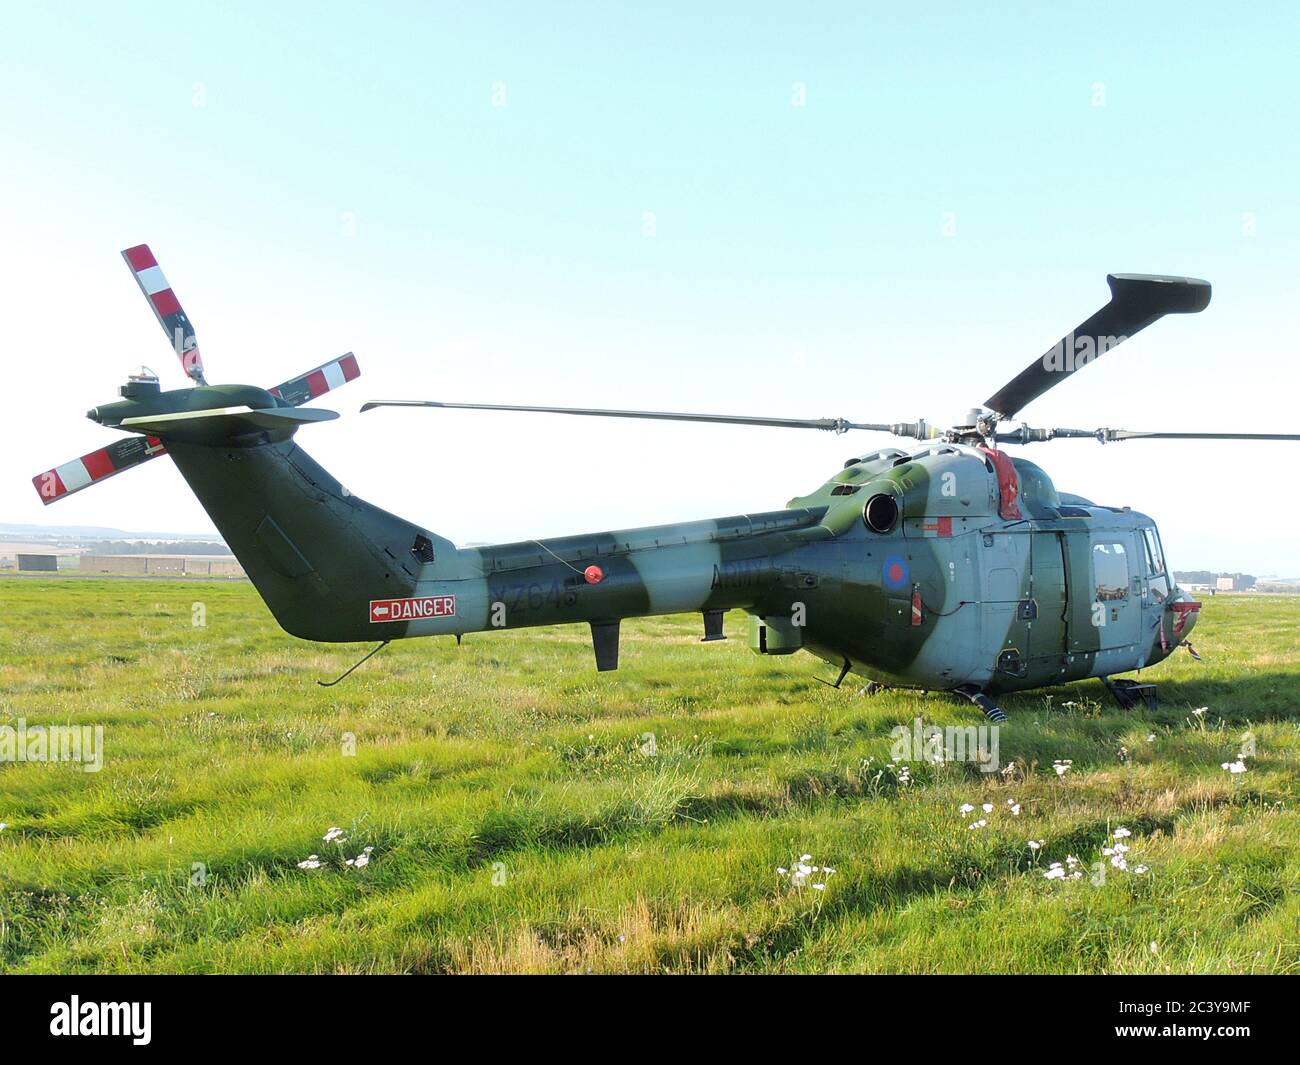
<point>872,687</point>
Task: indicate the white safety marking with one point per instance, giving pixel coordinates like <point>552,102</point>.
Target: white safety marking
<point>334,375</point>
<point>73,474</point>
<point>152,280</point>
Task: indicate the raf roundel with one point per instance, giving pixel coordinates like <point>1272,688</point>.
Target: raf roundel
<point>894,573</point>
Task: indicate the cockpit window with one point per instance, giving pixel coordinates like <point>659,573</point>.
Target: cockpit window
<point>1155,561</point>
<point>1110,568</point>
<point>1158,579</point>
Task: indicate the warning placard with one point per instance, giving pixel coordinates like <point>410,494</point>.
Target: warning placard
<point>429,606</point>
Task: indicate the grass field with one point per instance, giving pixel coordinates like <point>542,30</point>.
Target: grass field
<point>528,814</point>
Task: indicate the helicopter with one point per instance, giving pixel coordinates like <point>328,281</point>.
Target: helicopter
<point>948,566</point>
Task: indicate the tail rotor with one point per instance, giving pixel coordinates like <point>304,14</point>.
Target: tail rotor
<point>202,412</point>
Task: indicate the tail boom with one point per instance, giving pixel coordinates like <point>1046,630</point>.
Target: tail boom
<point>334,568</point>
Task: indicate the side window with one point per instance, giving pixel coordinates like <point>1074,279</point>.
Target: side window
<point>1110,570</point>
<point>1159,581</point>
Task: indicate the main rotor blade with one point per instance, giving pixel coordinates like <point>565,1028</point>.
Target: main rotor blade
<point>835,425</point>
<point>166,308</point>
<point>97,466</point>
<point>1136,300</point>
<point>1125,434</point>
<point>304,387</point>
<point>1025,435</point>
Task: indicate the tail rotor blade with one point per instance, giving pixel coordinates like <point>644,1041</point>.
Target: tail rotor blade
<point>98,466</point>
<point>317,382</point>
<point>166,308</point>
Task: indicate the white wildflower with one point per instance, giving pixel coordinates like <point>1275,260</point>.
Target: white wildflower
<point>332,835</point>
<point>312,861</point>
<point>1121,833</point>
<point>987,807</point>
<point>799,875</point>
<point>1239,766</point>
<point>965,808</point>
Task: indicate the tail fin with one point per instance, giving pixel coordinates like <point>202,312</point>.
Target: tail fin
<point>316,553</point>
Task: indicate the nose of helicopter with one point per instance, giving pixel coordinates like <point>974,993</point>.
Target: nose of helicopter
<point>1185,610</point>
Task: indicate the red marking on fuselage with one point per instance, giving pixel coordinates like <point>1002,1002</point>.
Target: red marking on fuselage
<point>1183,612</point>
<point>1008,484</point>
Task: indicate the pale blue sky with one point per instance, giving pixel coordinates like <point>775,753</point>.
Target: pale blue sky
<point>325,177</point>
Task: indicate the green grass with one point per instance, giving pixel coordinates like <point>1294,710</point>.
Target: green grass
<point>517,824</point>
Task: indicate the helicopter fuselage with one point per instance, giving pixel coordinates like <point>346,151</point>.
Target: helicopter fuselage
<point>951,565</point>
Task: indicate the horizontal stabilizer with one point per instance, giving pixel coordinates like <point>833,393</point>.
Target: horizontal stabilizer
<point>221,423</point>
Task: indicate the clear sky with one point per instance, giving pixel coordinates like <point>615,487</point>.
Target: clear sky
<point>867,210</point>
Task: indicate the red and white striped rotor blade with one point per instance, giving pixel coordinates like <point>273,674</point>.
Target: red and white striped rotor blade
<point>97,466</point>
<point>317,382</point>
<point>166,308</point>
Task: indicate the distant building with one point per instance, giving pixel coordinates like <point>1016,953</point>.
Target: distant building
<point>164,565</point>
<point>42,563</point>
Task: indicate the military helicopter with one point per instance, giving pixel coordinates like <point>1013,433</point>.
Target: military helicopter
<point>949,566</point>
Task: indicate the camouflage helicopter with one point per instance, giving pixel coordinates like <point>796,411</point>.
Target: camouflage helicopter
<point>949,566</point>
